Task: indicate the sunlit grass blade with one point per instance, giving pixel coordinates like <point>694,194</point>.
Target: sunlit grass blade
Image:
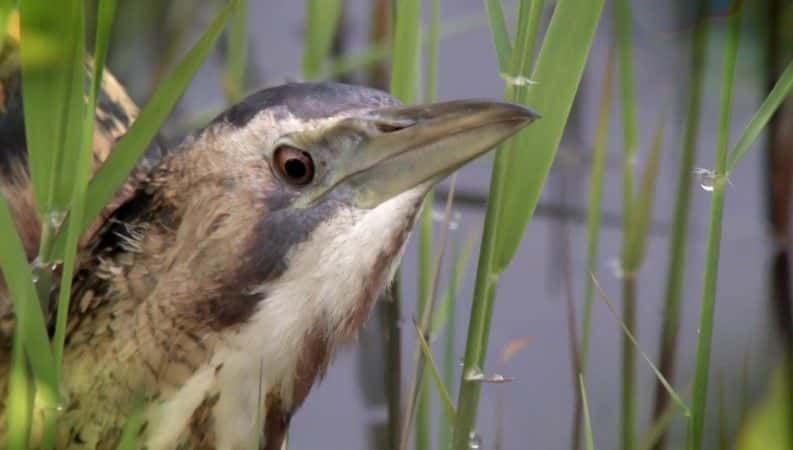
<point>778,94</point>
<point>670,390</point>
<point>130,148</point>
<point>321,19</point>
<point>237,56</point>
<point>557,73</point>
<point>105,14</point>
<point>498,28</point>
<point>52,94</point>
<point>708,303</point>
<point>448,405</point>
<point>676,266</point>
<point>19,400</point>
<point>594,212</point>
<point>590,439</point>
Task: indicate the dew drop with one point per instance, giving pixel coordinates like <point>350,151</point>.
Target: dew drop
<point>615,266</point>
<point>439,216</point>
<point>476,374</point>
<point>707,179</point>
<point>474,441</point>
<point>56,218</point>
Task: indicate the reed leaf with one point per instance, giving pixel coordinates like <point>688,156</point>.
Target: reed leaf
<point>322,16</point>
<point>520,171</point>
<point>708,302</point>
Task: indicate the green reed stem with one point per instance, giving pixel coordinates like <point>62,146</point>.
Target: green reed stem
<point>708,303</point>
<point>675,272</point>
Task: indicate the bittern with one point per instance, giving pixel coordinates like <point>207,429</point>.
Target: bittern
<point>217,286</point>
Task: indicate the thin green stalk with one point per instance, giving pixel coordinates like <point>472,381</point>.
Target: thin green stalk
<point>30,324</point>
<point>708,304</point>
<point>590,439</point>
<point>558,72</point>
<point>19,401</point>
<point>484,289</point>
<point>446,399</point>
<point>780,91</point>
<point>321,19</point>
<point>594,212</point>
<point>498,27</point>
<point>106,11</point>
<point>237,56</point>
<point>623,18</point>
<point>404,86</point>
<point>425,266</point>
<point>675,272</point>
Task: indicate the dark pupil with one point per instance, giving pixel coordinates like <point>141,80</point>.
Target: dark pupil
<point>295,168</point>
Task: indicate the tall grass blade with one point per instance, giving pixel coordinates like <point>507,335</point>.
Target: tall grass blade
<point>594,211</point>
<point>425,264</point>
<point>445,315</point>
<point>52,93</point>
<point>780,91</point>
<point>404,86</point>
<point>555,80</point>
<point>708,302</point>
<point>405,66</point>
<point>557,74</point>
<point>129,149</point>
<point>675,271</point>
<point>590,439</point>
<point>623,19</point>
<point>237,58</point>
<point>19,400</point>
<point>105,14</point>
<point>501,39</point>
<point>322,17</point>
<point>30,325</point>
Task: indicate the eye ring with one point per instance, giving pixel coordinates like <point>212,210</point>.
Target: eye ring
<point>294,165</point>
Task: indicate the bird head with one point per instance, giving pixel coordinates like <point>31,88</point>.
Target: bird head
<point>272,231</point>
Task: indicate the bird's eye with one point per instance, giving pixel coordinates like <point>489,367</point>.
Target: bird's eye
<point>295,165</point>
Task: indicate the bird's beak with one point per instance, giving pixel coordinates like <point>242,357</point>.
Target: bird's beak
<point>405,147</point>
